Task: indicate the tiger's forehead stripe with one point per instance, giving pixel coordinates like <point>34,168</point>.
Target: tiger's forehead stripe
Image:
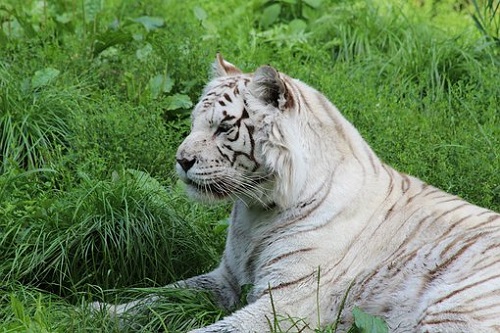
<point>221,94</point>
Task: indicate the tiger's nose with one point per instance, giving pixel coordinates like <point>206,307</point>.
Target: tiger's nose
<point>186,164</point>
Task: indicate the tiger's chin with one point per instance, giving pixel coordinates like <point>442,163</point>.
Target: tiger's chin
<point>207,193</point>
<point>219,191</point>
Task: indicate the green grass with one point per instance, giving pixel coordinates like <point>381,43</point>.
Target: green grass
<point>95,98</point>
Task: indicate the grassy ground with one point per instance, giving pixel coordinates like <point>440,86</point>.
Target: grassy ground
<point>95,97</point>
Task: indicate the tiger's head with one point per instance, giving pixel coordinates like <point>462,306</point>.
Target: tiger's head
<point>244,141</point>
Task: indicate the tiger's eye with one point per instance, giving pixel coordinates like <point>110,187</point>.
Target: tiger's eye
<point>223,128</point>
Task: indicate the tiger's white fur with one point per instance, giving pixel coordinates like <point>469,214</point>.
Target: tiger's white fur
<point>316,214</point>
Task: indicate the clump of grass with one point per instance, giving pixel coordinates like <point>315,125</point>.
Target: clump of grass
<point>118,232</point>
<point>34,121</point>
<point>177,310</point>
<point>403,48</point>
<point>486,16</point>
<point>111,135</point>
<point>26,309</point>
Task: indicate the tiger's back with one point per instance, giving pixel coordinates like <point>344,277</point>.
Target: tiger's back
<point>443,275</point>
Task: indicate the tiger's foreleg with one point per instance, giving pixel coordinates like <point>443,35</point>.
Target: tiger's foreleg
<point>223,287</point>
<point>255,317</point>
<point>224,290</point>
<point>277,311</point>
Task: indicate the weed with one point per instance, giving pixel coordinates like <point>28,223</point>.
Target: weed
<point>487,19</point>
<point>33,122</point>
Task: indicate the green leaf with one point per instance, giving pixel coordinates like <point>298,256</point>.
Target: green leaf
<point>3,38</point>
<point>200,13</point>
<point>18,309</point>
<point>150,22</point>
<point>367,323</point>
<point>160,84</point>
<point>64,18</point>
<point>43,77</point>
<point>110,38</point>
<point>146,182</point>
<point>314,3</point>
<point>309,13</point>
<point>26,25</point>
<point>270,15</point>
<point>221,226</point>
<point>297,26</point>
<point>144,52</point>
<point>178,101</point>
<point>91,9</point>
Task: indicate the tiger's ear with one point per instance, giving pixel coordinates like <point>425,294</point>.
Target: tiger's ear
<point>223,68</point>
<point>268,87</point>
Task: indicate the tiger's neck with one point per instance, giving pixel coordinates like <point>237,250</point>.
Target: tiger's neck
<point>334,156</point>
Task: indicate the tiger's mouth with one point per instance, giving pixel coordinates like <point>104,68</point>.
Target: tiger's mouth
<point>216,189</point>
<point>222,189</point>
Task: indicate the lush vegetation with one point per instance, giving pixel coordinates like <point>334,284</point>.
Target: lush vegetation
<point>95,98</point>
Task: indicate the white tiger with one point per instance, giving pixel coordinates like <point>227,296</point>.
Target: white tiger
<point>316,214</point>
